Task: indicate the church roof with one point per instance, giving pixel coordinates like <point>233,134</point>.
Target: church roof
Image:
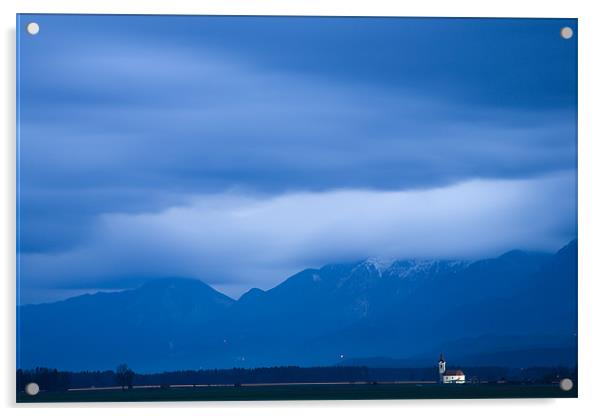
<point>454,373</point>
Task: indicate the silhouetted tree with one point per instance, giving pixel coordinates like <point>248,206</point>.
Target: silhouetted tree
<point>124,376</point>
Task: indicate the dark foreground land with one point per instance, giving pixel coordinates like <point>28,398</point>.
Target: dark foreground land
<point>305,392</point>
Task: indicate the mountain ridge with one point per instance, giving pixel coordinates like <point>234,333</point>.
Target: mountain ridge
<point>311,318</point>
<point>376,262</point>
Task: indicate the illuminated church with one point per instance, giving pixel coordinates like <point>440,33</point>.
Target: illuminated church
<point>450,376</point>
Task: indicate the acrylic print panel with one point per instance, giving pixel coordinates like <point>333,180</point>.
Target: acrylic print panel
<point>262,208</point>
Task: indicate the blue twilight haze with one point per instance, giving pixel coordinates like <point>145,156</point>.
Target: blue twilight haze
<point>238,151</point>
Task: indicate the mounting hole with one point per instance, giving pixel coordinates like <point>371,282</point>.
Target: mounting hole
<point>32,389</point>
<point>566,384</point>
<point>566,32</point>
<point>33,28</point>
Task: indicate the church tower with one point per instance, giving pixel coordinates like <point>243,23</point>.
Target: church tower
<point>441,367</point>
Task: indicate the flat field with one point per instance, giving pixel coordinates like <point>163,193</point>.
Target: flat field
<point>304,392</point>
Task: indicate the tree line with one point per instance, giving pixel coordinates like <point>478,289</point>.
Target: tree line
<point>125,377</point>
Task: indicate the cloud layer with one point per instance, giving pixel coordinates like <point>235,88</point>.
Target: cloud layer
<point>238,151</point>
<point>236,241</point>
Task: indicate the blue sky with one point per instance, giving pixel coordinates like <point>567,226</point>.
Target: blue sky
<point>238,150</point>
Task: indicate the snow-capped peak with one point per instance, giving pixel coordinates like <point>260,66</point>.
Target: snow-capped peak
<point>407,268</point>
<point>379,263</point>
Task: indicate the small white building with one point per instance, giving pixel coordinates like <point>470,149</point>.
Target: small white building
<point>450,376</point>
<point>454,376</point>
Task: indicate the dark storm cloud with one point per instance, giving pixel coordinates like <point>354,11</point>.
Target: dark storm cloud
<point>236,242</point>
<point>137,116</point>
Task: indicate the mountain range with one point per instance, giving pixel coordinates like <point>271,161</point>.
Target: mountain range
<point>518,309</point>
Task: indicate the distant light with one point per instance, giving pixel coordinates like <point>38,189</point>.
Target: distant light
<point>342,356</point>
